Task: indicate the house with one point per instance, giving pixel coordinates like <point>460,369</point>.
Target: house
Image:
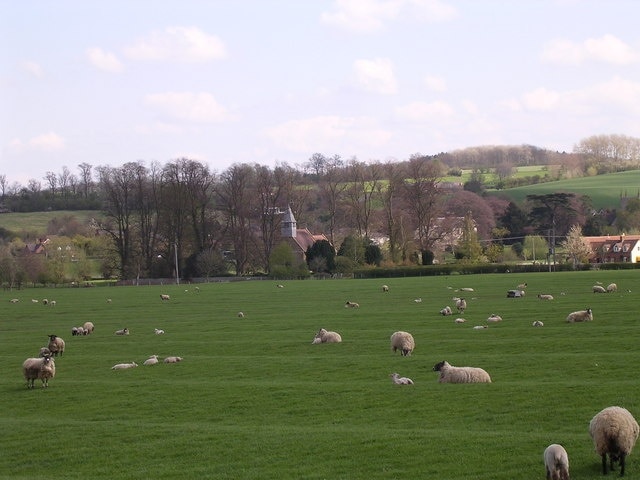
<point>300,239</point>
<point>614,248</point>
<point>38,247</point>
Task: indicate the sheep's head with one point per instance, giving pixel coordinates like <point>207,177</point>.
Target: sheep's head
<point>438,366</point>
<point>52,337</point>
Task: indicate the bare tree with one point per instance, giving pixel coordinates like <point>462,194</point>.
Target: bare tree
<point>390,196</point>
<point>3,185</point>
<point>332,186</point>
<point>86,181</point>
<point>360,188</point>
<point>52,180</point>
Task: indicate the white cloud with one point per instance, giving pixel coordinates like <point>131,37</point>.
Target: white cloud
<point>421,112</point>
<point>104,60</point>
<point>179,44</point>
<point>606,49</point>
<point>541,99</point>
<point>192,107</point>
<point>375,76</point>
<point>32,68</point>
<point>47,142</point>
<point>329,133</point>
<point>367,16</point>
<point>435,84</point>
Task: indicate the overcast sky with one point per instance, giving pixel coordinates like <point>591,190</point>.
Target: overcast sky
<point>274,81</point>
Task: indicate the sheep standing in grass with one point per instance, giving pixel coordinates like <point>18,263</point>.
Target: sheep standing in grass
<point>76,331</point>
<point>544,296</point>
<point>42,368</point>
<point>324,336</point>
<point>351,304</point>
<point>451,374</point>
<point>598,289</point>
<point>172,359</point>
<point>556,462</point>
<point>580,316</point>
<point>124,366</point>
<point>612,287</point>
<point>56,345</point>
<point>446,311</point>
<point>538,323</point>
<point>164,297</point>
<point>404,342</point>
<point>461,305</point>
<point>614,431</point>
<point>123,331</point>
<point>385,288</point>
<point>493,318</point>
<point>88,328</point>
<point>398,380</point>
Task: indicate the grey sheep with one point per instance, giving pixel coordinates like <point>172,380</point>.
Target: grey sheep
<point>56,345</point>
<point>556,462</point>
<point>580,316</point>
<point>42,368</point>
<point>614,431</point>
<point>404,342</point>
<point>88,328</point>
<point>451,374</point>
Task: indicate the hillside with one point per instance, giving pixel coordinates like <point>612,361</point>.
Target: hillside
<point>604,190</point>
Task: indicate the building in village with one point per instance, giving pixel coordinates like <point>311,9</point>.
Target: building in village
<point>300,239</point>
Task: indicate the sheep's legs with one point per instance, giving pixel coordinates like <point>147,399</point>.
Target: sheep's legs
<point>622,457</point>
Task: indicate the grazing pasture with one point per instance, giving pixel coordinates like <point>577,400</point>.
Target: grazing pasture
<point>254,399</point>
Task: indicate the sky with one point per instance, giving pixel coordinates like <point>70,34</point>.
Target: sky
<point>275,81</point>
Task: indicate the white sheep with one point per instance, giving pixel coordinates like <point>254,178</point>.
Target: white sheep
<point>240,314</point>
<point>122,331</point>
<point>466,289</point>
<point>598,289</point>
<point>164,297</point>
<point>76,331</point>
<point>556,462</point>
<point>493,318</point>
<point>109,300</point>
<point>152,360</point>
<point>480,327</point>
<point>56,345</point>
<point>88,328</point>
<point>418,300</point>
<point>124,366</point>
<point>446,311</point>
<point>614,431</point>
<point>580,316</point>
<point>43,368</point>
<point>461,305</point>
<point>538,323</point>
<point>612,287</point>
<point>45,301</point>
<point>53,303</point>
<point>451,374</point>
<point>279,285</point>
<point>14,300</point>
<point>459,320</point>
<point>172,359</point>
<point>324,336</point>
<point>33,300</point>
<point>351,304</point>
<point>404,342</point>
<point>158,331</point>
<point>385,288</point>
<point>398,380</point>
<point>522,286</point>
<point>544,296</point>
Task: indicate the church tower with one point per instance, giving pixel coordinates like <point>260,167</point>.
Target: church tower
<point>288,227</point>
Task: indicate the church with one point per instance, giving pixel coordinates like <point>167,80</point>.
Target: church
<point>300,239</point>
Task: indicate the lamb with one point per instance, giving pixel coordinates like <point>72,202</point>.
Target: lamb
<point>158,331</point>
<point>172,359</point>
<point>280,285</point>
<point>556,462</point>
<point>418,300</point>
<point>152,360</point>
<point>398,380</point>
<point>459,320</point>
<point>466,289</point>
<point>76,331</point>
<point>14,300</point>
<point>124,366</point>
<point>88,328</point>
<point>522,286</point>
<point>324,336</point>
<point>53,303</point>
<point>612,287</point>
<point>56,345</point>
<point>494,318</point>
<point>614,431</point>
<point>480,327</point>
<point>42,368</point>
<point>451,374</point>
<point>598,289</point>
<point>544,296</point>
<point>404,342</point>
<point>446,311</point>
<point>461,305</point>
<point>385,288</point>
<point>580,316</point>
<point>351,304</point>
<point>44,352</point>
<point>240,314</point>
<point>538,323</point>
<point>164,297</point>
<point>45,301</point>
<point>123,331</point>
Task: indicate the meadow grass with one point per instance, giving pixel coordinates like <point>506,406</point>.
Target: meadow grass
<point>253,399</point>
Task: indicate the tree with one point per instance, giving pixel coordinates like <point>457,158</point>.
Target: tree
<point>321,254</point>
<point>535,248</point>
<point>576,246</point>
<point>469,247</point>
<point>515,221</point>
<point>283,263</point>
<point>546,211</point>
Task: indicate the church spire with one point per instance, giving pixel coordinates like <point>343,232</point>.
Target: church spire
<point>288,226</point>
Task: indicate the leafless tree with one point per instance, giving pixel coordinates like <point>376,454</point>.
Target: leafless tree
<point>332,186</point>
<point>86,178</point>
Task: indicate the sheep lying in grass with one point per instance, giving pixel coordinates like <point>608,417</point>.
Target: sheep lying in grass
<point>324,336</point>
<point>398,380</point>
<point>42,368</point>
<point>404,342</point>
<point>152,360</point>
<point>385,288</point>
<point>88,328</point>
<point>556,462</point>
<point>124,366</point>
<point>580,316</point>
<point>56,345</point>
<point>614,431</point>
<point>459,320</point>
<point>14,300</point>
<point>158,331</point>
<point>172,359</point>
<point>451,374</point>
<point>493,318</point>
<point>240,314</point>
<point>164,297</point>
<point>538,323</point>
<point>598,289</point>
<point>612,287</point>
<point>123,331</point>
<point>446,311</point>
<point>466,289</point>
<point>480,327</point>
<point>544,296</point>
<point>351,304</point>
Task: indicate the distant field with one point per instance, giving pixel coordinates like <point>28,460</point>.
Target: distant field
<point>253,399</point>
<point>37,221</point>
<point>604,190</point>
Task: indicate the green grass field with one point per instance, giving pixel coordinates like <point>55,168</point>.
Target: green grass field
<point>253,399</point>
<point>36,222</point>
